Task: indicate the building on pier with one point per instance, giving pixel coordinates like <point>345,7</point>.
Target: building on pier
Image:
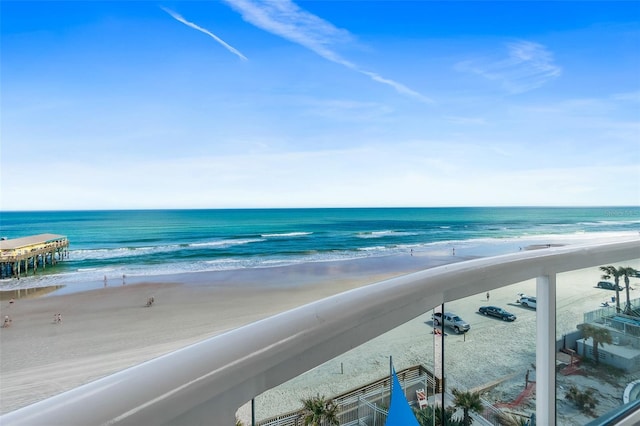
<point>18,255</point>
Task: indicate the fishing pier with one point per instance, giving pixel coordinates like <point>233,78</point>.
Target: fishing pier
<point>18,255</point>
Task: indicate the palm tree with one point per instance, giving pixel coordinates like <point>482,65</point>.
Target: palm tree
<point>510,419</point>
<point>613,272</point>
<point>425,416</point>
<point>599,335</point>
<point>627,273</point>
<point>318,410</point>
<point>468,401</point>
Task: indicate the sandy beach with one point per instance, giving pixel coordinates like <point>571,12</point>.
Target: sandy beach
<point>108,329</point>
<point>493,351</point>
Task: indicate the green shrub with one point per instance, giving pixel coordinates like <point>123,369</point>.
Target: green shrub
<point>584,400</point>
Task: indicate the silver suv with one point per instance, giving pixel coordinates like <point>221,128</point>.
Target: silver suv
<point>451,320</point>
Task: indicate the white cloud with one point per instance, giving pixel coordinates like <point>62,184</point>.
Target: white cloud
<point>628,97</point>
<point>285,19</point>
<point>528,66</point>
<point>366,176</point>
<point>179,18</point>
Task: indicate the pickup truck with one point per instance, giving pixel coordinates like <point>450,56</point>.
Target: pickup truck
<point>451,320</point>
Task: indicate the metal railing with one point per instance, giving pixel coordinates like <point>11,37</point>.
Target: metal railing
<point>353,403</point>
<point>205,383</point>
<point>626,415</point>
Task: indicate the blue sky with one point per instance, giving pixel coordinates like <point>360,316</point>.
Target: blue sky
<point>247,103</point>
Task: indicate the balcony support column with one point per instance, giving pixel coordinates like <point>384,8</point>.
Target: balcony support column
<point>546,350</point>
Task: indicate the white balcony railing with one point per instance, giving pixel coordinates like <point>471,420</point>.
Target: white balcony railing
<point>205,383</point>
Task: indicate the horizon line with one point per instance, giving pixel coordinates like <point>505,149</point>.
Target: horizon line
<point>325,208</point>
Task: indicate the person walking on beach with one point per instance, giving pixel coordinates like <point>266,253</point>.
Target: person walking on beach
<point>487,296</point>
<point>123,277</point>
<point>58,318</point>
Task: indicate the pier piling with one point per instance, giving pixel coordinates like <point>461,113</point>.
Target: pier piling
<point>20,254</point>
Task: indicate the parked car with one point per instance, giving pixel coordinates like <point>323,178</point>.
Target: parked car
<point>451,320</point>
<point>497,312</point>
<point>527,301</point>
<point>608,286</point>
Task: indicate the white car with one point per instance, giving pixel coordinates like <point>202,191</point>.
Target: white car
<point>527,301</point>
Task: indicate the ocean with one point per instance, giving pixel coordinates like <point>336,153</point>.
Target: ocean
<point>146,243</point>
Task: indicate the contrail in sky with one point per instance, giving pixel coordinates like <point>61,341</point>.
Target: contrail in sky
<point>285,19</point>
<point>179,18</point>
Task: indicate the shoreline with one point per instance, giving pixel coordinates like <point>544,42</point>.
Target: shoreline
<point>68,280</point>
<point>305,273</point>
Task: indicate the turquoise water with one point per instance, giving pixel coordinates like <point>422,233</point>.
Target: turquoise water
<point>158,242</point>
